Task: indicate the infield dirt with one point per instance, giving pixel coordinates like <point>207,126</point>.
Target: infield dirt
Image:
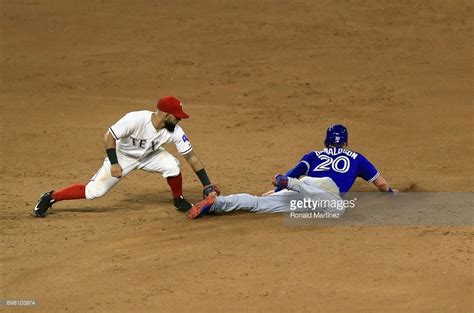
<point>262,80</point>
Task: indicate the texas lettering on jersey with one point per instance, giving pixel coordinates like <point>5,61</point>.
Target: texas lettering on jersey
<point>137,137</point>
<point>141,143</point>
<point>343,166</point>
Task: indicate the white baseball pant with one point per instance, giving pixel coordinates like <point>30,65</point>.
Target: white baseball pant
<point>159,162</point>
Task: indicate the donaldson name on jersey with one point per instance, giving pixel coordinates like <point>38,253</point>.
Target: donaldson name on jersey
<point>343,166</point>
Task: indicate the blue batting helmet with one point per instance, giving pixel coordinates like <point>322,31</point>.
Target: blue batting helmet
<point>336,135</point>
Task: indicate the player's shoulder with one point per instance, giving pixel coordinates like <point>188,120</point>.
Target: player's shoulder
<point>316,153</point>
<point>356,155</point>
<point>137,117</point>
<point>178,130</point>
<point>139,114</point>
<point>178,135</point>
<point>310,155</point>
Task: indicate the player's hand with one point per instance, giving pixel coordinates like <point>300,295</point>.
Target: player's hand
<point>211,190</point>
<point>268,193</point>
<point>116,170</point>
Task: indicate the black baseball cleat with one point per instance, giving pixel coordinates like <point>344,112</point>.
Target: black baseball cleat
<point>182,204</point>
<point>44,203</point>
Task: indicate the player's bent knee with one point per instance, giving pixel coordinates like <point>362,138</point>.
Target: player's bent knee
<point>171,168</point>
<point>93,191</point>
<point>171,171</point>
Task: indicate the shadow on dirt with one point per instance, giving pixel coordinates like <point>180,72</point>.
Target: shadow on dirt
<point>132,202</point>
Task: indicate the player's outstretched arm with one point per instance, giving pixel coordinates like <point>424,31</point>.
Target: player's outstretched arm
<point>383,185</point>
<point>198,167</point>
<point>193,161</point>
<point>110,146</point>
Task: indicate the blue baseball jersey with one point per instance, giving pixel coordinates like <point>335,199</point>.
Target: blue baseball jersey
<point>343,166</point>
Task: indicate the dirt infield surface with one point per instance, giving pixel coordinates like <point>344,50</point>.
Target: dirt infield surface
<point>261,80</point>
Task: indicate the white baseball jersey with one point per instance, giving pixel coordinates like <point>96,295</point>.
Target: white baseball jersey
<point>138,138</point>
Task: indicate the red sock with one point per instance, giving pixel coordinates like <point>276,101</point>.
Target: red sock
<point>176,184</point>
<point>77,191</point>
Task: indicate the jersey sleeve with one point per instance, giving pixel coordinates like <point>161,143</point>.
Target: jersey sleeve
<point>367,170</point>
<point>124,127</point>
<point>308,159</point>
<point>183,145</point>
<point>302,167</point>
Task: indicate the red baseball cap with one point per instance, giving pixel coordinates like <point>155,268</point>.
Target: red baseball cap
<point>173,106</point>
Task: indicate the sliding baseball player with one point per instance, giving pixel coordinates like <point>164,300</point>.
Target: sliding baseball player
<point>325,175</point>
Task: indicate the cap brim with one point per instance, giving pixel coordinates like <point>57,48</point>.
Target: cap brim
<point>181,115</point>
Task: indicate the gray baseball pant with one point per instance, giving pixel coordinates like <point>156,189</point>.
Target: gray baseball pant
<point>298,190</point>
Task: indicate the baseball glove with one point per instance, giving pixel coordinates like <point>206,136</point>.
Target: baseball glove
<point>210,188</point>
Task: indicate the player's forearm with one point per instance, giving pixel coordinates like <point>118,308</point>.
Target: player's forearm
<point>198,168</point>
<point>384,188</point>
<point>382,184</point>
<point>194,161</point>
<point>110,146</point>
<point>300,169</point>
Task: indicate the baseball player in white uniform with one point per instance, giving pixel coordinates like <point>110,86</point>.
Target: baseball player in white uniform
<point>136,142</point>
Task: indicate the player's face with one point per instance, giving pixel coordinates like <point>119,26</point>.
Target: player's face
<point>170,122</point>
